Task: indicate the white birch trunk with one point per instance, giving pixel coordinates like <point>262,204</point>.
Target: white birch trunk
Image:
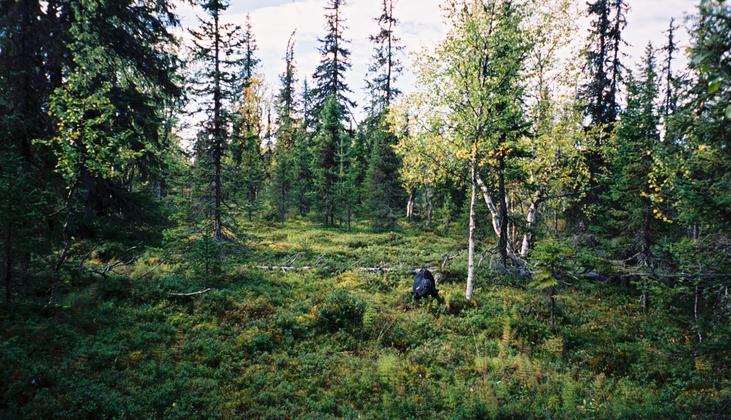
<point>494,212</point>
<point>471,233</point>
<point>530,220</point>
<point>410,206</point>
<point>490,204</point>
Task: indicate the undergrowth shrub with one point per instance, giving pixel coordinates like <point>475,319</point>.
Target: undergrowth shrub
<point>456,302</point>
<point>114,287</point>
<point>341,310</point>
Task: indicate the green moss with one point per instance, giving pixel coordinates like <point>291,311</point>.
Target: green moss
<point>338,342</point>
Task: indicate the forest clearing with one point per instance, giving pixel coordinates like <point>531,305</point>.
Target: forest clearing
<point>365,209</point>
<point>346,343</point>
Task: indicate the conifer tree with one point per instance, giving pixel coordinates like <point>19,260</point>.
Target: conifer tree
<point>384,193</point>
<point>600,94</point>
<point>330,162</point>
<point>330,73</point>
<point>386,65</point>
<point>670,100</point>
<point>282,166</point>
<point>214,44</point>
<point>248,163</point>
<point>249,62</point>
<point>247,93</point>
<point>703,177</point>
<point>302,170</point>
<point>302,154</point>
<point>632,223</point>
<point>117,82</point>
<point>383,189</point>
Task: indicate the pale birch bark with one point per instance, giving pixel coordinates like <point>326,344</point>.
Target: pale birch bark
<point>490,204</point>
<point>471,234</point>
<point>530,220</point>
<point>410,206</point>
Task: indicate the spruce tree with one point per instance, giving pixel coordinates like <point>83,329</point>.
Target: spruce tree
<point>330,73</point>
<point>248,168</point>
<point>302,170</point>
<point>214,45</point>
<point>703,170</point>
<point>329,163</point>
<point>302,154</point>
<point>282,166</point>
<point>118,81</point>
<point>631,221</point>
<point>670,100</point>
<point>383,191</point>
<point>386,65</point>
<point>600,94</point>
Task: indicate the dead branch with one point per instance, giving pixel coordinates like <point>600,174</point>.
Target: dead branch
<point>200,292</point>
<point>154,267</point>
<point>284,268</point>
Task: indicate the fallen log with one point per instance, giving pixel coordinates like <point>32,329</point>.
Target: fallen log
<point>200,292</point>
<point>286,268</point>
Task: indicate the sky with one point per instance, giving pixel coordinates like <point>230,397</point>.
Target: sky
<point>421,25</point>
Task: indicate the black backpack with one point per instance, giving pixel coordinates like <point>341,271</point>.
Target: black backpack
<point>424,284</point>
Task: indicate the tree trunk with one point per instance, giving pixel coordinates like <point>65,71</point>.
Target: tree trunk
<point>530,220</point>
<point>217,135</point>
<point>8,260</point>
<point>552,299</point>
<point>696,296</point>
<point>471,232</point>
<point>490,205</point>
<point>410,206</point>
<point>429,206</point>
<point>645,239</point>
<point>56,277</point>
<point>503,242</point>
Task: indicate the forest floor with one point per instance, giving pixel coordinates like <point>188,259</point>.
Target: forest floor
<point>337,341</point>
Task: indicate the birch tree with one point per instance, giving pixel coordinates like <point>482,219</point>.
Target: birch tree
<point>470,102</point>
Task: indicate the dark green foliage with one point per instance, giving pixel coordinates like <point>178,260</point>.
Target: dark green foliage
<point>600,95</point>
<point>330,73</point>
<point>214,45</point>
<point>386,65</point>
<point>205,257</point>
<point>22,204</point>
<point>167,302</point>
<point>330,161</point>
<point>632,224</point>
<point>705,157</point>
<point>341,310</point>
<point>384,196</point>
<point>309,345</point>
<point>555,262</point>
<point>283,167</point>
<point>603,60</point>
<point>302,171</point>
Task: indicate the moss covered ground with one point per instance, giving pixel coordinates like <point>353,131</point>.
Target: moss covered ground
<point>335,341</point>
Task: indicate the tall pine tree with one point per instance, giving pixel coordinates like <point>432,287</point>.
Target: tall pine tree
<point>283,165</point>
<point>330,73</point>
<point>631,221</point>
<point>248,169</point>
<point>386,65</point>
<point>600,94</point>
<point>214,45</point>
<point>383,193</point>
<point>329,162</point>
